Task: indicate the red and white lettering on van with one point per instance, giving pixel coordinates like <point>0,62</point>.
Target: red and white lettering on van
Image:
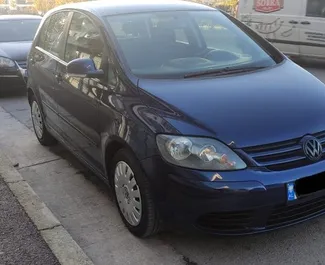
<point>268,6</point>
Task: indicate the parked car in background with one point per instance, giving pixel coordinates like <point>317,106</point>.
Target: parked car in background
<point>191,117</point>
<point>297,28</point>
<point>16,35</point>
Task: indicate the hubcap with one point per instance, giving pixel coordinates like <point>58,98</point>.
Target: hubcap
<point>127,193</point>
<point>37,120</point>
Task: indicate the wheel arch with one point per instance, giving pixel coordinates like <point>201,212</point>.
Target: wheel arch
<point>30,94</point>
<point>110,147</point>
<point>33,92</point>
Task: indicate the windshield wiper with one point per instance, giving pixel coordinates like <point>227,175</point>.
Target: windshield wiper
<point>223,71</point>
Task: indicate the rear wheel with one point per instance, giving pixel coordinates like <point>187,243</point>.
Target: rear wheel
<point>134,196</point>
<point>43,136</point>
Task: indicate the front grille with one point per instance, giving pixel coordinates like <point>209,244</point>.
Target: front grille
<point>229,222</point>
<point>22,64</point>
<point>282,155</point>
<point>285,215</point>
<point>247,222</point>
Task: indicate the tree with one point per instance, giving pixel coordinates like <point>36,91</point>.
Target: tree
<point>62,2</point>
<point>44,5</point>
<point>216,3</point>
<point>227,5</point>
<point>12,5</point>
<point>231,2</point>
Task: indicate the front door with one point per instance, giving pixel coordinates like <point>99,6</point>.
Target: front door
<point>312,33</point>
<point>79,100</point>
<point>44,61</point>
<point>275,20</point>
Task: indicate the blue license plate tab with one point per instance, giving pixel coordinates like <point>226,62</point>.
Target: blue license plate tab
<point>291,193</point>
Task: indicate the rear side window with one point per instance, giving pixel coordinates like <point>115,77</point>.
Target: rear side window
<point>315,8</point>
<point>52,34</point>
<point>84,40</point>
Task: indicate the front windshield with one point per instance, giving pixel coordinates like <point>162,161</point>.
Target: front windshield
<point>18,30</point>
<point>173,44</point>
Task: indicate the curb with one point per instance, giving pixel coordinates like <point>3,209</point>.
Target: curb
<point>64,248</point>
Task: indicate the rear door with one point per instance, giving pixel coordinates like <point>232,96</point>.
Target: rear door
<point>78,101</point>
<point>44,61</point>
<point>312,33</point>
<point>275,20</point>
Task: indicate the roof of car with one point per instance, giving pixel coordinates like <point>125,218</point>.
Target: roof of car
<point>16,17</point>
<point>106,8</point>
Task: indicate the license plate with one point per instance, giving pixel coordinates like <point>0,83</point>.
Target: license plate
<point>291,193</point>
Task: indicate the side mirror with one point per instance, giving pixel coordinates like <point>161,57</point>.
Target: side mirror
<point>84,68</point>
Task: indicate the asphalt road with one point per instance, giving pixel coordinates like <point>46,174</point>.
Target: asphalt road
<point>317,68</point>
<point>20,242</point>
<point>84,206</point>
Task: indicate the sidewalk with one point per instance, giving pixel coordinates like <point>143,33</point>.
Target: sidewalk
<point>20,241</point>
<point>29,232</point>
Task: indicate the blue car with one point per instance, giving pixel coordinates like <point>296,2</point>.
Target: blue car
<point>194,120</point>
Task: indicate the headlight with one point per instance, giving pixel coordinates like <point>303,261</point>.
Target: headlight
<point>6,62</point>
<point>198,153</point>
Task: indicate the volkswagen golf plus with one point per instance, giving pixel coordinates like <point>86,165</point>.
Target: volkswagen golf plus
<point>194,120</point>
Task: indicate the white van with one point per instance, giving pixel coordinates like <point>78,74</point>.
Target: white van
<point>295,27</point>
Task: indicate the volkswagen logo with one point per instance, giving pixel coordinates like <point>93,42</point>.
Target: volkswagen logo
<point>312,148</point>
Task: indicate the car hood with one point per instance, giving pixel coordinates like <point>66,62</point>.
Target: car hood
<point>268,106</point>
<point>17,51</point>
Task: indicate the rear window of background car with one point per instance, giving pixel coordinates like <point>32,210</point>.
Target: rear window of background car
<point>18,30</point>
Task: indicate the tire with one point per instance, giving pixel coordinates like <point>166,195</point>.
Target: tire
<point>149,222</point>
<point>42,134</point>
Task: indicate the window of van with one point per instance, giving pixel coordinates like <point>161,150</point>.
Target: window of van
<point>173,44</point>
<point>52,34</point>
<point>315,8</point>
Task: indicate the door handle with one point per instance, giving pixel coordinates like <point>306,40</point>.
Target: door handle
<point>305,23</point>
<point>293,22</point>
<point>58,78</point>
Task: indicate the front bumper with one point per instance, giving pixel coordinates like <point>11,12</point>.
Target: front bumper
<point>236,203</point>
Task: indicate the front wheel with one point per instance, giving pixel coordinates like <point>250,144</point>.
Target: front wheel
<point>43,136</point>
<point>133,195</point>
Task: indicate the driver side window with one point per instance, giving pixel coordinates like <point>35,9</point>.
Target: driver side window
<point>84,41</point>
